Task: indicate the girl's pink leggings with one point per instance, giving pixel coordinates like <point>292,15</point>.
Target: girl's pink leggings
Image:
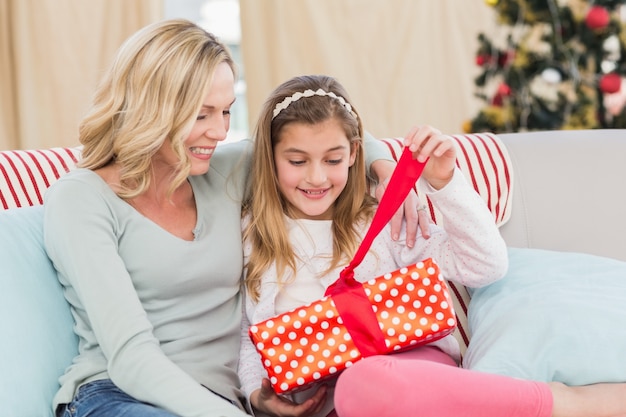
<point>426,382</point>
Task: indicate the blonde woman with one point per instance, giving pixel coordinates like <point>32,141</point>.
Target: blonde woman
<point>146,235</point>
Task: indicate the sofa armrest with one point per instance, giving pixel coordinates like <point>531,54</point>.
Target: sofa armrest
<point>26,174</point>
<point>568,192</point>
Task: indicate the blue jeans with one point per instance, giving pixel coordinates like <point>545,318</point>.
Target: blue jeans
<point>103,399</point>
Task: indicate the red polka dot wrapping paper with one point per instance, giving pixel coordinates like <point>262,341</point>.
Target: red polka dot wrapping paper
<point>412,305</point>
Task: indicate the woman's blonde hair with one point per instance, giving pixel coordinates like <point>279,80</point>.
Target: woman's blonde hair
<point>264,204</point>
<point>152,93</point>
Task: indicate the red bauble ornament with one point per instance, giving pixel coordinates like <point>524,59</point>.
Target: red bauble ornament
<point>597,18</point>
<point>506,58</point>
<point>497,100</point>
<point>483,59</point>
<point>610,83</point>
<point>504,90</point>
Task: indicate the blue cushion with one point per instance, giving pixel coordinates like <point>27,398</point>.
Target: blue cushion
<point>37,341</point>
<point>555,316</point>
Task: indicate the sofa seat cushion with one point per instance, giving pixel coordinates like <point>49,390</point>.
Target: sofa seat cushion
<point>37,341</point>
<point>554,317</point>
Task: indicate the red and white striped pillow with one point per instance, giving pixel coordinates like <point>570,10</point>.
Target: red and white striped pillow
<point>484,160</point>
<point>26,174</point>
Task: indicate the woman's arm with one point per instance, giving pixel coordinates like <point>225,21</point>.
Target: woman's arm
<point>81,237</point>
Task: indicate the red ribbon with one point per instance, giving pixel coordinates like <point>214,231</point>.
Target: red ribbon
<point>347,293</point>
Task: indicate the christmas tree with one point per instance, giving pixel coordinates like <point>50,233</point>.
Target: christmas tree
<point>560,65</point>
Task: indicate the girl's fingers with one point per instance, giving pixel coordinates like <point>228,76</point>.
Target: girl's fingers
<point>419,137</point>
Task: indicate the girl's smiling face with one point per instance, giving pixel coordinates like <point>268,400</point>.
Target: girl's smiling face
<point>312,163</point>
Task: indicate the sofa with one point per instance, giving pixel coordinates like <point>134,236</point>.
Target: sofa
<point>555,195</point>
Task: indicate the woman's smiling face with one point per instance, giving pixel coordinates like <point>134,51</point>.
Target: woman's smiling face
<point>211,125</point>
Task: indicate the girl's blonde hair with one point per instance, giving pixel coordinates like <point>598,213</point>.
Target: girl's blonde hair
<point>264,204</point>
<point>152,93</point>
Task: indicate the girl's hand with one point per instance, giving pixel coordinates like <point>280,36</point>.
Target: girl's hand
<point>426,142</point>
<point>266,401</point>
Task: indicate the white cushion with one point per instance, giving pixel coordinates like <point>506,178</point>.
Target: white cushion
<point>555,316</point>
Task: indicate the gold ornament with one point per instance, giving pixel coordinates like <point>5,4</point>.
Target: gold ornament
<point>467,126</point>
<point>492,2</point>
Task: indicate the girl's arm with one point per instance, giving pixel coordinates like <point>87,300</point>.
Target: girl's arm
<point>250,370</point>
<point>471,250</point>
<point>466,242</point>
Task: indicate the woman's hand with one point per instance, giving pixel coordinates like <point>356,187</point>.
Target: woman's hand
<point>426,142</point>
<point>266,401</point>
<point>412,211</point>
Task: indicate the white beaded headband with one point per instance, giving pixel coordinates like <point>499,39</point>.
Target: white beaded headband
<point>309,93</point>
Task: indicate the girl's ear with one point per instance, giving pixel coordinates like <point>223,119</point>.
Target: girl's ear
<point>354,147</point>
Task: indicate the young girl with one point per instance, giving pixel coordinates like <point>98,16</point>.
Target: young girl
<point>306,211</point>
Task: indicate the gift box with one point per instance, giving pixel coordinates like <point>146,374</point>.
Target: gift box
<point>400,310</point>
